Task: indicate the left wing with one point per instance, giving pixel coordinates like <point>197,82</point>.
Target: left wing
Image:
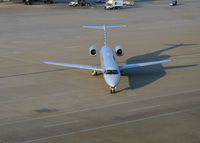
<point>142,64</point>
<point>97,68</point>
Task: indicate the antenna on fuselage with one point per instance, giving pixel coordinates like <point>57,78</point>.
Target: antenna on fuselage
<point>105,27</point>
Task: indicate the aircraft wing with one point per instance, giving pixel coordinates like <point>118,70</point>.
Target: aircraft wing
<point>142,64</point>
<point>97,68</point>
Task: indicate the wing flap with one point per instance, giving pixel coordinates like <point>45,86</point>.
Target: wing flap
<point>142,64</point>
<point>97,68</point>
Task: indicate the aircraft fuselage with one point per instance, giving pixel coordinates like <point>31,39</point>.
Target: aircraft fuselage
<point>111,71</point>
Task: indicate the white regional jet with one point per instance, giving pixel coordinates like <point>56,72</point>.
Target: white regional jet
<point>109,68</point>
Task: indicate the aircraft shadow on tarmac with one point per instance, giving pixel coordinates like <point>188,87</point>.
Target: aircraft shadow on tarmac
<point>139,77</point>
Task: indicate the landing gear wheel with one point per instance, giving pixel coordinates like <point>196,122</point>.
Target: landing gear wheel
<point>112,90</point>
<point>94,73</point>
<point>122,73</point>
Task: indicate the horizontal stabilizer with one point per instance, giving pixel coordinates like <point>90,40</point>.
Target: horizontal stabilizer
<point>94,27</point>
<point>116,26</point>
<point>105,26</point>
<point>142,64</point>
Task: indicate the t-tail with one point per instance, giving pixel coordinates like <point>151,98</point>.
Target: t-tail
<point>105,27</point>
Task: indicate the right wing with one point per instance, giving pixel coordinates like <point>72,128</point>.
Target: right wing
<point>142,64</point>
<point>97,68</point>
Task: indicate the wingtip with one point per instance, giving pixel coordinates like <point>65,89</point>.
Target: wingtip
<point>45,62</point>
<point>169,60</point>
<point>166,61</point>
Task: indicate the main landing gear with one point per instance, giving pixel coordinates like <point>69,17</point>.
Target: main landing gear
<point>122,73</point>
<point>112,90</point>
<point>94,73</point>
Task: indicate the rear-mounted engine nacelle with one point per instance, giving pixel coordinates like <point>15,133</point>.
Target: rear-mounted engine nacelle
<point>93,51</point>
<point>119,50</point>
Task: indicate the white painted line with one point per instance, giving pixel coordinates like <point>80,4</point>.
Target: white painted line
<point>26,120</point>
<point>63,123</point>
<point>143,108</point>
<point>113,125</point>
<point>70,47</point>
<point>99,107</point>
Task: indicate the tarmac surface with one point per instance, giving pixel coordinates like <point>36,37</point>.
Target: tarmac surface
<point>50,104</point>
